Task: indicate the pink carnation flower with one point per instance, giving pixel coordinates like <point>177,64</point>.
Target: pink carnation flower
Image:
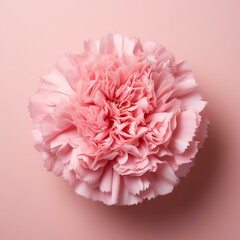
<point>121,122</point>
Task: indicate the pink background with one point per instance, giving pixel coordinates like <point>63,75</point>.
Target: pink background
<point>34,204</point>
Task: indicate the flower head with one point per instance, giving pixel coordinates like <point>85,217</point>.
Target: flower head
<point>121,122</point>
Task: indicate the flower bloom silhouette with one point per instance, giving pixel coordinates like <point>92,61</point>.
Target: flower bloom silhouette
<point>121,122</point>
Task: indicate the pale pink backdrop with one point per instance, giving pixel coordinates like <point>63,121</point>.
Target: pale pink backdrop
<point>34,204</point>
